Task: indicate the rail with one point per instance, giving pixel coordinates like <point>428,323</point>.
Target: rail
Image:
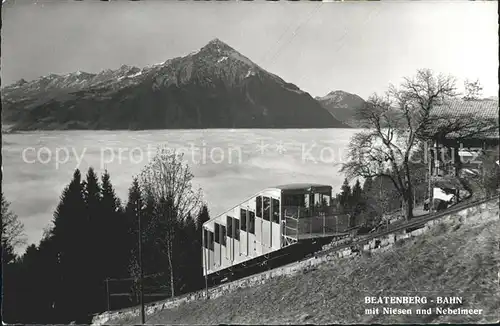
<point>302,222</point>
<point>421,220</point>
<point>302,212</point>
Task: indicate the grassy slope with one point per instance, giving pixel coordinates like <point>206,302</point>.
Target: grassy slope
<point>455,260</point>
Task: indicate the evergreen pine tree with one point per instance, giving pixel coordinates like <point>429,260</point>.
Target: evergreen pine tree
<point>345,196</point>
<point>46,271</point>
<point>134,197</point>
<point>367,185</point>
<point>133,200</point>
<point>356,203</point>
<point>92,196</point>
<point>356,192</point>
<point>12,232</point>
<point>115,229</point>
<point>188,252</point>
<point>194,246</point>
<point>70,237</point>
<point>202,217</point>
<point>12,235</point>
<point>94,255</point>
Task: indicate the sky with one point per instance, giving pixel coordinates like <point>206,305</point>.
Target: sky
<point>358,47</point>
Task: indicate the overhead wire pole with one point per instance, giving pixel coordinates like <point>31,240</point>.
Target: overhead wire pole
<point>205,260</point>
<point>141,287</point>
<point>107,294</point>
<point>429,165</point>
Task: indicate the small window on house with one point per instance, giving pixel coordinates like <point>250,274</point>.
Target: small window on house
<point>205,238</point>
<point>276,211</point>
<point>267,208</point>
<point>217,233</point>
<point>210,240</point>
<point>229,223</point>
<point>258,207</point>
<point>251,222</point>
<point>243,218</point>
<point>223,235</point>
<point>236,229</point>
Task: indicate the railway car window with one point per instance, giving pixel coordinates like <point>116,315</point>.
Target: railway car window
<point>237,229</point>
<point>205,238</point>
<point>251,222</point>
<point>317,199</point>
<point>229,223</point>
<point>276,210</point>
<point>307,200</point>
<point>325,200</point>
<point>210,240</point>
<point>243,218</point>
<point>267,208</point>
<point>223,235</point>
<point>295,200</point>
<point>217,233</point>
<point>258,207</point>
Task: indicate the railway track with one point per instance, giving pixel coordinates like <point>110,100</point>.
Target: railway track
<point>414,223</point>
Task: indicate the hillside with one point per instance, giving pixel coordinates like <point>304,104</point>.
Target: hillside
<point>215,87</point>
<point>342,106</point>
<point>450,260</point>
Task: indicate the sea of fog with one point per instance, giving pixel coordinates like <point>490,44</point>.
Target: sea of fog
<point>229,165</point>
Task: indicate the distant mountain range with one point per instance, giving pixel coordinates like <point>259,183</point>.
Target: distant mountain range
<point>215,87</point>
<point>342,106</point>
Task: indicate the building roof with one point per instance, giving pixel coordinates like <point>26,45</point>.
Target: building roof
<point>482,109</point>
<point>486,111</point>
<point>289,188</point>
<point>298,186</point>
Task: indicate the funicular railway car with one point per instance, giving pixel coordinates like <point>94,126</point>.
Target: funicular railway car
<point>273,226</point>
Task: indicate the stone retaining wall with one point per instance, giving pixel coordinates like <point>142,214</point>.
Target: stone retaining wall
<point>471,215</point>
<point>478,214</point>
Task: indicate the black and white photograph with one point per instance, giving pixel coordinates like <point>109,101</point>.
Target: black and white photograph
<point>250,162</point>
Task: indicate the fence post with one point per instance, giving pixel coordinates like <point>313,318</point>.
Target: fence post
<point>141,272</point>
<point>429,173</point>
<point>311,224</point>
<point>205,262</point>
<point>107,295</point>
<point>324,225</point>
<point>297,223</point>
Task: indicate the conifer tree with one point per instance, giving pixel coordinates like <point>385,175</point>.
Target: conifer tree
<point>193,245</point>
<point>345,196</point>
<point>95,244</point>
<point>12,232</point>
<point>367,185</point>
<point>356,203</point>
<point>70,225</point>
<point>202,217</point>
<point>131,216</point>
<point>12,236</point>
<point>92,196</point>
<point>115,229</point>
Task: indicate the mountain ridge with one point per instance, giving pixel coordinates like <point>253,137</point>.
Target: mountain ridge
<point>342,106</point>
<point>214,87</point>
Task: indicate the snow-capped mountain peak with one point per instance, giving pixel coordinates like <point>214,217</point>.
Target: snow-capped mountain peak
<point>342,105</point>
<point>189,91</point>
